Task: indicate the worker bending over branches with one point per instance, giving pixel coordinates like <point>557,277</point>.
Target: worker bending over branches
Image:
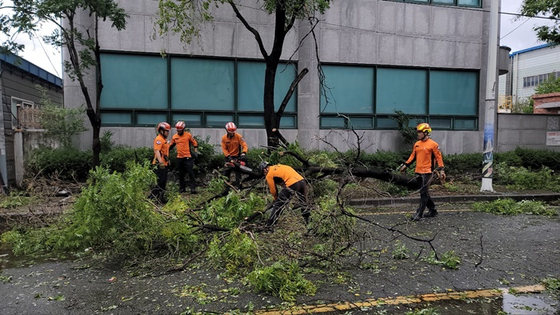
<point>292,184</point>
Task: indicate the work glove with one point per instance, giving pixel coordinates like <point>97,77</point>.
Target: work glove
<point>402,168</point>
<point>440,173</point>
<point>194,155</point>
<point>161,165</point>
<point>243,157</point>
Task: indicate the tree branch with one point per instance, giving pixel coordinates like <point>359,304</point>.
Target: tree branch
<point>250,29</point>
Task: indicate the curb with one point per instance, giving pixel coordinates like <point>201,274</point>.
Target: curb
<point>453,199</point>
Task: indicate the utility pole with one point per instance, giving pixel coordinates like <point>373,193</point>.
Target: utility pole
<point>490,104</point>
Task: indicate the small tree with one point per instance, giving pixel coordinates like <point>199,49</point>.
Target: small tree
<point>60,123</point>
<point>550,85</point>
<point>522,106</point>
<point>403,120</point>
<point>184,17</point>
<point>82,44</point>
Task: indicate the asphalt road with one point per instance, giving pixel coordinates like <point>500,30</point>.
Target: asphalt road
<point>495,251</point>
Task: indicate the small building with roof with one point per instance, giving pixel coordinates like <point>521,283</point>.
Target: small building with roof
<point>24,87</point>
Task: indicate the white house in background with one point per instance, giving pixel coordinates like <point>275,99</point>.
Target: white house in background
<point>528,68</point>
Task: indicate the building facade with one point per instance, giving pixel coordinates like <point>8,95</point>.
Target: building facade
<point>21,84</point>
<point>527,69</point>
<point>427,59</point>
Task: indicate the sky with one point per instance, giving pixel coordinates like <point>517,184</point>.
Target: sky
<point>516,33</point>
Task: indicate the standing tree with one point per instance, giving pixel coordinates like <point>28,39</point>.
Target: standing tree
<point>81,42</point>
<point>547,8</point>
<point>184,17</point>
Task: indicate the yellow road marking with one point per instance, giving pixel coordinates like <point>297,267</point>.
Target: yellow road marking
<point>430,297</point>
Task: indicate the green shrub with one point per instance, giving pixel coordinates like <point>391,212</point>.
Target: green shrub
<point>113,211</point>
<point>550,85</point>
<point>282,279</point>
<point>510,207</point>
<point>522,178</point>
<point>229,211</point>
<point>460,164</point>
<point>208,160</point>
<point>236,252</point>
<point>509,158</point>
<point>117,158</point>
<point>535,159</point>
<point>63,163</point>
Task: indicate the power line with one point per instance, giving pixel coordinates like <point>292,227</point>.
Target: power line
<point>518,26</point>
<point>46,54</point>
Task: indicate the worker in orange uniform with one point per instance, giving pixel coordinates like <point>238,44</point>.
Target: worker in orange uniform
<point>185,158</point>
<point>292,184</point>
<point>161,161</point>
<point>235,151</point>
<point>425,151</point>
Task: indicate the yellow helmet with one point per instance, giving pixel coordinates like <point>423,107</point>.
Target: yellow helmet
<point>424,127</point>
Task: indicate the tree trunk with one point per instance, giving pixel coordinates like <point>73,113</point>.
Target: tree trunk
<point>269,113</point>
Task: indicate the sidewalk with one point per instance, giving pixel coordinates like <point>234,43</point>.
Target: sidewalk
<point>495,251</point>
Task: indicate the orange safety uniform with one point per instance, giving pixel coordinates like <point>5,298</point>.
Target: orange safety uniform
<point>282,175</point>
<point>162,145</point>
<point>233,146</point>
<point>183,143</point>
<point>424,152</point>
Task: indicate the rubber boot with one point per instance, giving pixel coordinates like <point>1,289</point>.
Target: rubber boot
<point>431,213</point>
<point>417,216</point>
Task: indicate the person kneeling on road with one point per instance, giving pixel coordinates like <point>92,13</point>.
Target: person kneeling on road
<point>292,184</point>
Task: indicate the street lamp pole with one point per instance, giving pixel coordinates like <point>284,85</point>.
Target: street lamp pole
<point>490,103</point>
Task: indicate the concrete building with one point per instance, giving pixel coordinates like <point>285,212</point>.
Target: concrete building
<point>21,83</point>
<point>425,58</point>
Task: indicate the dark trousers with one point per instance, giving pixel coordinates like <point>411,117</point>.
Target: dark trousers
<point>299,190</point>
<point>158,192</point>
<point>425,199</point>
<point>228,169</point>
<point>186,165</point>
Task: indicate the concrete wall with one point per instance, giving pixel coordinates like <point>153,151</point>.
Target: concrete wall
<point>365,32</point>
<point>525,130</point>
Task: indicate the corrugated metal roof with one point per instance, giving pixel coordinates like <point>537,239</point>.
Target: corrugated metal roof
<point>30,68</point>
<point>529,49</point>
<point>549,105</point>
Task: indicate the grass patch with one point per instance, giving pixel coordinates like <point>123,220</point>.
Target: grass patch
<point>511,207</point>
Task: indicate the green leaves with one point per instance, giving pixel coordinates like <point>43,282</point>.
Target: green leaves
<point>548,8</point>
<point>549,85</point>
<point>281,279</point>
